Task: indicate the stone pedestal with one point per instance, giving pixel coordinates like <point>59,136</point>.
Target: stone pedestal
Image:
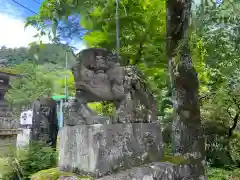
<point>101,149</point>
<point>151,171</point>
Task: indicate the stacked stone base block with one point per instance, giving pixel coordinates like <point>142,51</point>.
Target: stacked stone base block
<point>103,149</point>
<point>151,171</point>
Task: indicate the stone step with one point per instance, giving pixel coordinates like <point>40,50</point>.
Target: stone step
<point>5,132</point>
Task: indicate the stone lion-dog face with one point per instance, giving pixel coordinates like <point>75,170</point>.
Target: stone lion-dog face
<point>98,75</point>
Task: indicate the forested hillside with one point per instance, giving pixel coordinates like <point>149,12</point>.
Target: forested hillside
<point>39,54</point>
<point>43,68</point>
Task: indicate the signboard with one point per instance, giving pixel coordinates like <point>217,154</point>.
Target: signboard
<point>26,117</point>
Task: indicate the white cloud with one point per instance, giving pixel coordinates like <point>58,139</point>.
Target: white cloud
<point>13,34</point>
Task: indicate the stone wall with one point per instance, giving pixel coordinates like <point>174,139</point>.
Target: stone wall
<point>8,123</point>
<point>7,142</point>
<point>9,128</point>
<point>7,120</point>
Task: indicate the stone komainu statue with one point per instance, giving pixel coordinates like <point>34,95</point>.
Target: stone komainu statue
<point>100,77</point>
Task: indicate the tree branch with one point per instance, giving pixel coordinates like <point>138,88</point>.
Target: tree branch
<point>139,53</point>
<point>229,113</point>
<point>206,96</point>
<point>236,102</point>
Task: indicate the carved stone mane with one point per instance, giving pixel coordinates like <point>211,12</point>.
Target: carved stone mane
<point>100,77</point>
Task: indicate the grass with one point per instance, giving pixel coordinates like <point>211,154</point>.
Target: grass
<point>54,174</point>
<point>222,174</point>
<point>3,166</point>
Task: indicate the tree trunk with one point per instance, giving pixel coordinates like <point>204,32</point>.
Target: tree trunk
<point>235,122</point>
<point>187,133</point>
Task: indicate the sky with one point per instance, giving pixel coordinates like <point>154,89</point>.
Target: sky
<point>12,21</point>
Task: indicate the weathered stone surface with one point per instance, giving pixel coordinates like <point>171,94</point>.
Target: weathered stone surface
<point>9,123</point>
<point>7,120</point>
<point>101,149</point>
<point>45,124</point>
<point>75,178</point>
<point>76,113</point>
<point>96,72</point>
<point>153,171</point>
<point>97,85</point>
<point>7,143</point>
<point>100,77</point>
<point>69,178</point>
<point>6,132</point>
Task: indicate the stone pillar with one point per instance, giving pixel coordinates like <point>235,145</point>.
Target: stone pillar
<point>45,123</point>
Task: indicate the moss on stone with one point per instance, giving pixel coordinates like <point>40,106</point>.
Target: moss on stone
<point>10,71</point>
<point>54,174</point>
<point>178,160</point>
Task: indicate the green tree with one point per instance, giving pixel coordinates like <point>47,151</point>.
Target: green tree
<point>220,101</point>
<point>37,81</point>
<point>38,54</point>
<point>14,55</point>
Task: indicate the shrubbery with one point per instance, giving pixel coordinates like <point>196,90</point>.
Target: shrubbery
<point>221,174</point>
<point>28,161</point>
<point>221,150</point>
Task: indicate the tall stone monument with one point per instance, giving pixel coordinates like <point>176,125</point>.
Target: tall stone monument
<point>124,149</point>
<point>45,123</point>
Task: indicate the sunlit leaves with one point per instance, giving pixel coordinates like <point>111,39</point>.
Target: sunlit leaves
<point>96,12</point>
<point>32,85</point>
<point>220,50</point>
<point>94,38</point>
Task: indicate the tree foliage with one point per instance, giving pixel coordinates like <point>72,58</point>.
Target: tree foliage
<point>42,70</point>
<point>37,54</point>
<point>37,81</point>
<point>220,101</point>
